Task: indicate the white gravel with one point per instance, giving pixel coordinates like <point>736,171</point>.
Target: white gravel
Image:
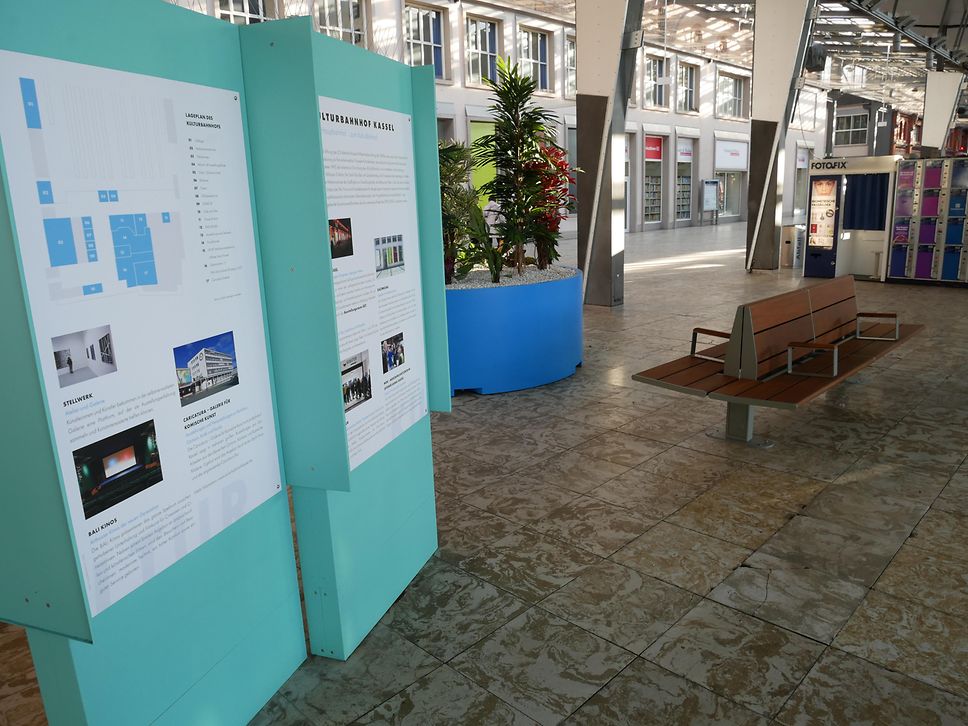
<point>479,277</point>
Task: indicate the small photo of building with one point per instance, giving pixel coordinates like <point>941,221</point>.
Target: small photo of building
<point>116,468</point>
<point>83,355</point>
<point>392,352</point>
<point>389,255</point>
<point>357,386</point>
<point>340,237</point>
<point>206,367</point>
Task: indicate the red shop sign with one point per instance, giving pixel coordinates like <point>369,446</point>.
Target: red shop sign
<point>653,148</point>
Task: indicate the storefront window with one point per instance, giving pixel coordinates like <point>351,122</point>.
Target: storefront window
<point>684,159</point>
<point>652,180</point>
<point>730,193</point>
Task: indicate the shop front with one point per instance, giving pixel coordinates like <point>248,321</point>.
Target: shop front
<point>732,164</point>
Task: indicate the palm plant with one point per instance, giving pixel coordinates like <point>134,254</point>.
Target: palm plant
<point>516,150</point>
<point>458,201</point>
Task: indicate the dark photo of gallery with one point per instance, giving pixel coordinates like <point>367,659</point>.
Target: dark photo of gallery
<point>340,237</point>
<point>206,367</point>
<point>118,467</point>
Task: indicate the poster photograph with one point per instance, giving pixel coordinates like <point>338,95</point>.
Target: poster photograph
<point>377,289</point>
<point>142,299</point>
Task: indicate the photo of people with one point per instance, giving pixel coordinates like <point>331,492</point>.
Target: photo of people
<point>117,467</point>
<point>392,352</point>
<point>206,367</point>
<point>357,387</point>
<point>340,237</point>
<point>83,355</point>
<point>389,255</point>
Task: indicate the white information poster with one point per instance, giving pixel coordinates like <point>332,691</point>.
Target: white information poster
<point>823,213</point>
<point>132,211</point>
<point>372,203</point>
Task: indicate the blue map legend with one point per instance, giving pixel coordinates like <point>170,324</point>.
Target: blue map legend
<point>89,242</point>
<point>60,242</point>
<point>133,250</point>
<point>28,92</point>
<point>45,192</point>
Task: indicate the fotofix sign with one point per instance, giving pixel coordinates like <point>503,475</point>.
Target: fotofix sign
<point>854,165</point>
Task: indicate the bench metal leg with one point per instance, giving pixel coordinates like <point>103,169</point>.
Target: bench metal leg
<point>739,422</point>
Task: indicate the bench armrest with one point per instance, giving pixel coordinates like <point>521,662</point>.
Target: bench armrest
<point>832,347</point>
<point>878,316</point>
<point>706,331</point>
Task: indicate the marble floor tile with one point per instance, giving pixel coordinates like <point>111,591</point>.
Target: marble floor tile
<point>666,426</point>
<point>842,689</point>
<point>554,430</point>
<point>747,519</point>
<point>520,499</point>
<point>691,467</point>
<point>620,605</point>
<point>462,530</point>
<point>893,480</point>
<point>594,525</point>
<point>925,644</point>
<point>792,457</point>
<point>603,415</point>
<point>927,455</point>
<point>682,557</point>
<point>622,448</point>
<point>444,698</point>
<point>529,565</point>
<point>646,694</point>
<point>20,702</point>
<point>463,475</point>
<point>648,494</point>
<point>737,656</point>
<point>943,532</point>
<point>334,692</point>
<point>954,497</point>
<point>279,712</point>
<point>932,579</point>
<point>805,601</point>
<point>542,665</point>
<point>770,485</point>
<point>575,471</point>
<point>805,542</point>
<point>866,511</point>
<point>445,610</point>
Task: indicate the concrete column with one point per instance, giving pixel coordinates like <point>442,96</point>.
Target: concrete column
<point>608,36</point>
<point>781,33</point>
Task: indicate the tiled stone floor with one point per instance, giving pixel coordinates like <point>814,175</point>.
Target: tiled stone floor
<point>604,561</point>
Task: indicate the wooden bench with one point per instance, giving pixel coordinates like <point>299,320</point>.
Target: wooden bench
<point>783,352</point>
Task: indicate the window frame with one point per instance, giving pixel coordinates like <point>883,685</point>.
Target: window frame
<point>851,129</point>
<point>410,43</point>
<point>341,32</point>
<point>530,33</point>
<point>736,101</point>
<point>491,54</point>
<point>683,68</point>
<point>654,87</point>
<point>245,15</point>
<point>571,71</point>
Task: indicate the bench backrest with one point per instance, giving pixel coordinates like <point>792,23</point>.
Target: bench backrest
<point>824,312</point>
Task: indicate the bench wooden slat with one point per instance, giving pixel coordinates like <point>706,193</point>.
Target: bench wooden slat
<point>694,373</point>
<point>672,367</point>
<point>833,317</point>
<point>830,292</point>
<point>779,309</point>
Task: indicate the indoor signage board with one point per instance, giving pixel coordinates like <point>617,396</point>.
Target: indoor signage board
<point>132,212</point>
<point>823,213</point>
<point>368,163</point>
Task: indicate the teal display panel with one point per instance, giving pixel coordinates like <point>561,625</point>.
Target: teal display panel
<point>212,637</point>
<point>364,531</point>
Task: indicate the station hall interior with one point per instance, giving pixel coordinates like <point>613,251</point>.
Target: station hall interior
<point>662,537</point>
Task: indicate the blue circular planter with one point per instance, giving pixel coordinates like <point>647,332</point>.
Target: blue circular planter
<point>513,337</point>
